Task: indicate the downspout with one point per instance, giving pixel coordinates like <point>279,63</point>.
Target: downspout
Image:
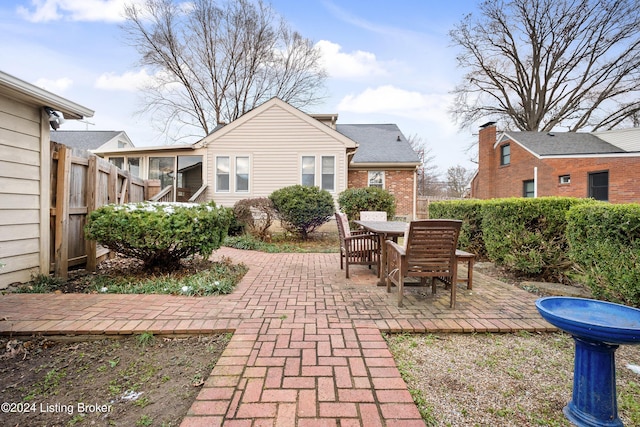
<point>415,193</point>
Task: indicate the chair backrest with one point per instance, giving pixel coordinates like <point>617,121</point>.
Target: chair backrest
<point>343,226</point>
<point>431,247</point>
<point>373,216</point>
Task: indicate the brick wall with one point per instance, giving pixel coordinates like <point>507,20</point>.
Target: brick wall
<point>400,183</point>
<point>483,184</point>
<point>495,181</point>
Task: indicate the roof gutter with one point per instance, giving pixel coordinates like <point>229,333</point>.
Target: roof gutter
<point>381,165</point>
<point>28,92</point>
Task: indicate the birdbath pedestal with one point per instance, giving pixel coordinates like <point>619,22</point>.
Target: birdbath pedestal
<point>598,328</point>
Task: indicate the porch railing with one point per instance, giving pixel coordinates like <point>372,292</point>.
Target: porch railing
<point>165,195</point>
<point>200,195</point>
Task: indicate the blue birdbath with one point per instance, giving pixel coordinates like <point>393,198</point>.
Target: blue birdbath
<point>598,328</point>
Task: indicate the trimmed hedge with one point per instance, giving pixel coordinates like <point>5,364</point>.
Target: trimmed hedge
<point>470,213</point>
<point>302,209</point>
<point>159,234</point>
<point>528,235</point>
<point>353,200</point>
<point>604,240</point>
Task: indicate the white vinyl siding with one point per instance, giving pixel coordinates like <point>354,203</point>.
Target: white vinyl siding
<point>277,141</point>
<point>23,202</point>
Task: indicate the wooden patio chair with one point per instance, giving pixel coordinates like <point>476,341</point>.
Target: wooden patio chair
<point>357,247</point>
<point>429,251</point>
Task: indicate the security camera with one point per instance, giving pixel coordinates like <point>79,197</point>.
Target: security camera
<point>55,118</point>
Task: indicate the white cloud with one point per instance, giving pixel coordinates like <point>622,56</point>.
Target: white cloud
<point>357,64</point>
<point>389,99</point>
<point>55,86</point>
<point>74,10</point>
<point>128,81</point>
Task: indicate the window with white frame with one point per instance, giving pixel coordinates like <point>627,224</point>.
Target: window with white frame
<point>376,179</point>
<point>328,173</point>
<point>308,171</point>
<point>242,174</point>
<point>222,174</point>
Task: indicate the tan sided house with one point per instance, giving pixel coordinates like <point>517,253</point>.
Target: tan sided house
<point>276,145</point>
<point>26,114</point>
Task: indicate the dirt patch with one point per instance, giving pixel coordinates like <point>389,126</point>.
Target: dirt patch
<point>133,381</point>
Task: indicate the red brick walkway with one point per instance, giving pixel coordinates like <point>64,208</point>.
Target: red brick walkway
<point>307,348</point>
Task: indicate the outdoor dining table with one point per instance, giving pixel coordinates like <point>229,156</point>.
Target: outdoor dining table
<point>386,230</point>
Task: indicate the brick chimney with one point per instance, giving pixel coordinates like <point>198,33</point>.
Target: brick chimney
<point>486,161</point>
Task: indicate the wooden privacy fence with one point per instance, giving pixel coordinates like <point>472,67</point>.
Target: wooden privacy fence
<point>80,183</point>
<point>422,207</point>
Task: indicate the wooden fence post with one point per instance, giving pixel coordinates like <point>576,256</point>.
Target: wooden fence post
<point>61,265</point>
<point>92,204</point>
<point>112,186</point>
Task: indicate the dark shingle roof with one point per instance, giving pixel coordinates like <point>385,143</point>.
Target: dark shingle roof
<point>84,140</point>
<point>563,143</point>
<point>379,143</point>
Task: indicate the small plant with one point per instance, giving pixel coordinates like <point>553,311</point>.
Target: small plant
<point>144,421</point>
<point>302,209</point>
<point>256,215</point>
<point>354,200</point>
<point>145,339</point>
<point>219,279</point>
<point>40,284</point>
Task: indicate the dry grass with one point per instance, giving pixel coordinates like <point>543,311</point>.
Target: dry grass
<point>501,379</point>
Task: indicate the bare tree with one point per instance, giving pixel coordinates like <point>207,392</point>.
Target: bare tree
<point>428,169</point>
<point>458,178</point>
<point>537,64</point>
<point>215,60</point>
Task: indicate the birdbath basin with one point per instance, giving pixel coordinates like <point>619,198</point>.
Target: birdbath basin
<point>598,328</point>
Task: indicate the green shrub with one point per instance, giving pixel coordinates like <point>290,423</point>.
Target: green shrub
<point>354,200</point>
<point>604,240</point>
<point>159,234</point>
<point>528,235</point>
<point>256,214</point>
<point>470,213</point>
<point>302,209</point>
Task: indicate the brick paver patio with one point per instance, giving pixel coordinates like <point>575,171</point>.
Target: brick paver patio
<point>307,348</point>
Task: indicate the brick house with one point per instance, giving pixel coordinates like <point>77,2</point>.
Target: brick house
<point>276,145</point>
<point>383,159</point>
<point>601,165</point>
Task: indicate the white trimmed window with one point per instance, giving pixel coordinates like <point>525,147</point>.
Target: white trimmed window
<point>242,174</point>
<point>308,171</point>
<point>376,179</point>
<point>329,173</point>
<point>222,174</point>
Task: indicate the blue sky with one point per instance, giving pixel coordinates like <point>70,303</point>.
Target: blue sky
<point>389,62</point>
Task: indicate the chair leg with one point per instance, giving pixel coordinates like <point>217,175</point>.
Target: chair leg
<point>454,286</point>
<point>433,285</point>
<point>346,267</point>
<point>400,290</point>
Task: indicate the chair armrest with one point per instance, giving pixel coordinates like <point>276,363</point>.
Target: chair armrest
<point>393,246</point>
<point>359,232</point>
